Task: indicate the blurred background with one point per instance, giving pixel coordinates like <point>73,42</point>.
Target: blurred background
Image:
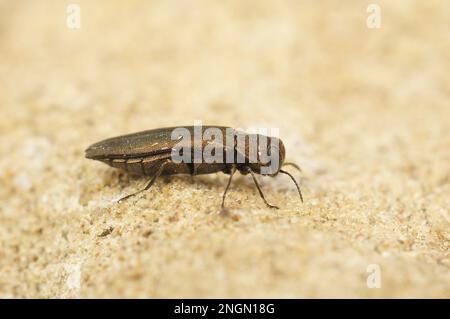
<point>363,105</point>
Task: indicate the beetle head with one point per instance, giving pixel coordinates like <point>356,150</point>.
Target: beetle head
<point>271,154</point>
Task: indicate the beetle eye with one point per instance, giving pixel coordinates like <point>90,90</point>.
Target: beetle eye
<point>273,149</point>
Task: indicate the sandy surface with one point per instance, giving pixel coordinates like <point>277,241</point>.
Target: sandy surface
<point>365,112</point>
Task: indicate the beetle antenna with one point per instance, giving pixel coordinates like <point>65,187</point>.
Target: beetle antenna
<point>295,182</point>
<point>293,165</point>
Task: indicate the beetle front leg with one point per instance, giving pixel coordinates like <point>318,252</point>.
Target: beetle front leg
<point>260,191</point>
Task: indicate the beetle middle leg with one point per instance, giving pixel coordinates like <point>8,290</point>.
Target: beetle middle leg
<point>232,171</point>
<point>260,191</point>
<point>150,183</point>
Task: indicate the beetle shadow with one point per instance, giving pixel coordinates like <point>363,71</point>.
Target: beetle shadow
<point>218,181</point>
<point>213,181</point>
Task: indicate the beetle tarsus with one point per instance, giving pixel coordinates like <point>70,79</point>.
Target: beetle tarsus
<point>128,196</point>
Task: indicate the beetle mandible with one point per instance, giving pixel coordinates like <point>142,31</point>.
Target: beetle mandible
<point>152,152</point>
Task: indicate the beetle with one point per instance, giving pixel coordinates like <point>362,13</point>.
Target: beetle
<point>152,152</point>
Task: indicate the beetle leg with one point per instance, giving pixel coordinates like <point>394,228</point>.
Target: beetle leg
<point>150,183</point>
<point>193,168</point>
<point>260,191</point>
<point>233,170</point>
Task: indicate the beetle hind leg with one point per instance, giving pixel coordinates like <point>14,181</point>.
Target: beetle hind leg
<point>150,183</point>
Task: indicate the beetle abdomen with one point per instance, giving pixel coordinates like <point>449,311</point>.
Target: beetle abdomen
<point>138,165</point>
